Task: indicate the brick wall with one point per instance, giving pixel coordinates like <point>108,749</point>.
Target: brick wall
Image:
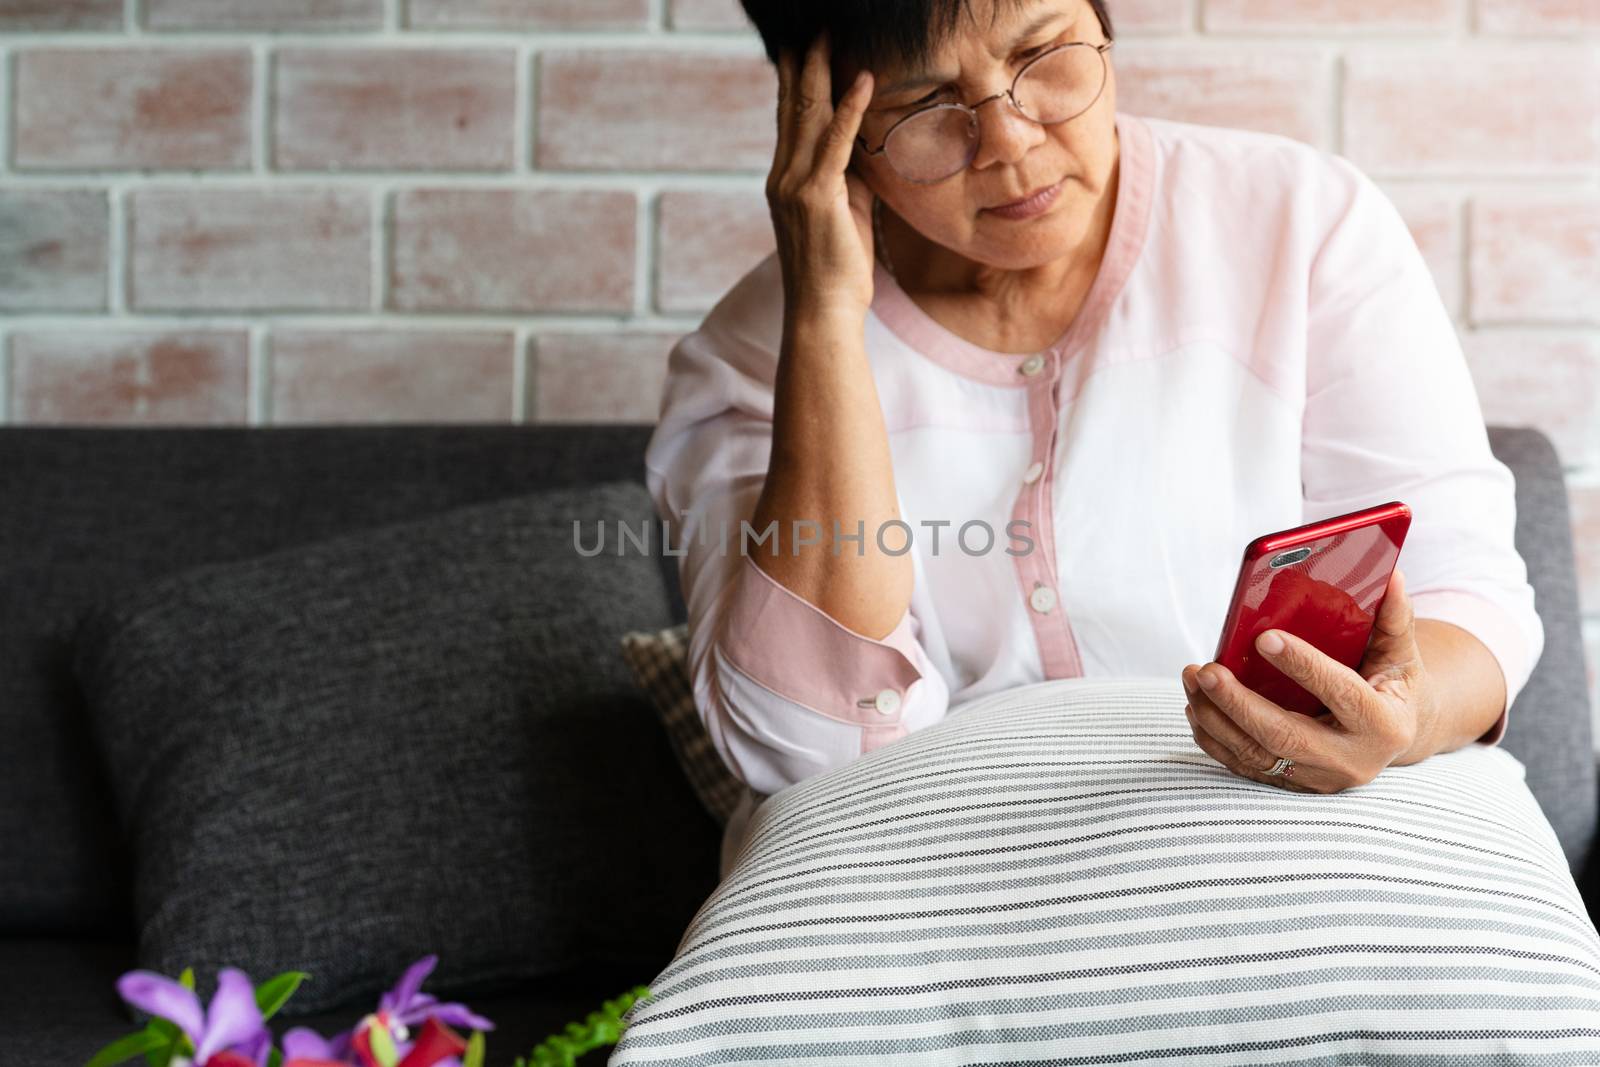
<point>276,211</point>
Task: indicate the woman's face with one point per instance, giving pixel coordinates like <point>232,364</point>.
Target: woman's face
<point>1015,155</point>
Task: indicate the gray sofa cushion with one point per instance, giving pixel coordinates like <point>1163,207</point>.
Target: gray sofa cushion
<point>342,756</point>
<point>87,509</point>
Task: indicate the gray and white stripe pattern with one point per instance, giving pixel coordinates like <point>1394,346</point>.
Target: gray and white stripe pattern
<point>1058,874</point>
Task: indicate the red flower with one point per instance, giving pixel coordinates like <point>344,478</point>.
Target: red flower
<point>434,1042</point>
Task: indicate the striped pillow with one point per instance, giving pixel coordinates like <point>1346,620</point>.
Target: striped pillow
<point>1059,874</point>
<point>660,663</point>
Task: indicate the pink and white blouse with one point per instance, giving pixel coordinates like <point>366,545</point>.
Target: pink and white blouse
<point>1263,346</point>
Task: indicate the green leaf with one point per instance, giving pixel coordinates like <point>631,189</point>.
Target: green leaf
<point>186,979</point>
<point>383,1046</point>
<point>271,994</point>
<point>274,1058</point>
<point>473,1057</point>
<point>173,1040</point>
<point>126,1048</point>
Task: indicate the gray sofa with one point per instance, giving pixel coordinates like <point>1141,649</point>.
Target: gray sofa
<point>82,513</point>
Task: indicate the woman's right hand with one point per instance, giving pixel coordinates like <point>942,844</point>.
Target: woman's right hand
<point>822,213</point>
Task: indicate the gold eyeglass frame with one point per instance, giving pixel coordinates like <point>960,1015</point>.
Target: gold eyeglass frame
<point>972,112</point>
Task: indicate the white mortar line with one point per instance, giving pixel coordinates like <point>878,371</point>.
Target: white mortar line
<point>117,252</point>
<point>644,250</point>
<point>398,321</point>
<point>520,357</point>
<point>258,381</point>
<point>378,248</point>
<point>720,41</point>
<point>574,180</point>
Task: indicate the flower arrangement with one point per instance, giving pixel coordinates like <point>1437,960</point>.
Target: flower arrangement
<point>410,1028</point>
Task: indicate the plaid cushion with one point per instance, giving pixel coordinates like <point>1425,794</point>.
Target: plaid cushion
<point>660,663</point>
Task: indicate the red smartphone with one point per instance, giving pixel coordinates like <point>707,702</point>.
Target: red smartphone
<point>1323,582</point>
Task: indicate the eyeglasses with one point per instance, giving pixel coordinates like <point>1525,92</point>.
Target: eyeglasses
<point>939,141</point>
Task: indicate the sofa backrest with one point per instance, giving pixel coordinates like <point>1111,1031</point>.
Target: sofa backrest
<point>1550,729</point>
<point>84,509</point>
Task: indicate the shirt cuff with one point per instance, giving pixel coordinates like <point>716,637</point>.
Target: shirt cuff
<point>805,655</point>
<point>1489,623</point>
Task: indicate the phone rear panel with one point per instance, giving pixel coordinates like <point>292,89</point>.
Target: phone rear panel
<point>1323,582</point>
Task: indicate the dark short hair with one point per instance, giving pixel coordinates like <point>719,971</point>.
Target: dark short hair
<point>869,33</point>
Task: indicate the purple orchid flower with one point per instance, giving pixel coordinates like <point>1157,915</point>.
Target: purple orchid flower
<point>402,1009</point>
<point>304,1043</point>
<point>230,1024</point>
<point>411,1008</point>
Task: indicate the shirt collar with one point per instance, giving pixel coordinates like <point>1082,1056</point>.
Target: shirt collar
<point>1135,178</point>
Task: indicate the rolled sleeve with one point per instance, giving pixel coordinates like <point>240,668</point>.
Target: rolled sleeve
<point>786,691</point>
<point>795,650</point>
<point>1392,414</point>
<point>1502,632</point>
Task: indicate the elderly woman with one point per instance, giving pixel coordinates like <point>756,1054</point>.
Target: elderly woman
<point>1025,375</point>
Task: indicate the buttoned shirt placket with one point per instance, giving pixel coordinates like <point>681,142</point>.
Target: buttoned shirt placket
<point>1037,572</point>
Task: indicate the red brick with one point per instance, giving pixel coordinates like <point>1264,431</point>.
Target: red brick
<point>251,249</point>
<point>513,250</point>
<point>123,107</point>
<point>263,14</point>
<point>53,249</point>
<point>656,110</point>
<point>709,15</point>
<point>1141,16</point>
<point>1586,542</point>
<point>604,377</point>
<point>394,108</point>
<point>1481,109</point>
<point>1543,379</point>
<point>529,14</point>
<point>60,15</point>
<point>392,376</point>
<point>707,241</point>
<point>1537,16</point>
<point>1297,16</point>
<point>1536,257</point>
<point>1126,15</point>
<point>1276,90</point>
<point>92,376</point>
<point>1434,219</point>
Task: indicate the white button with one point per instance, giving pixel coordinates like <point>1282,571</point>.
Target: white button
<point>887,702</point>
<point>1043,598</point>
<point>1033,364</point>
<point>1031,475</point>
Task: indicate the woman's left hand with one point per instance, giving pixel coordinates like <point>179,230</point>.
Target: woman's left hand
<point>1379,711</point>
